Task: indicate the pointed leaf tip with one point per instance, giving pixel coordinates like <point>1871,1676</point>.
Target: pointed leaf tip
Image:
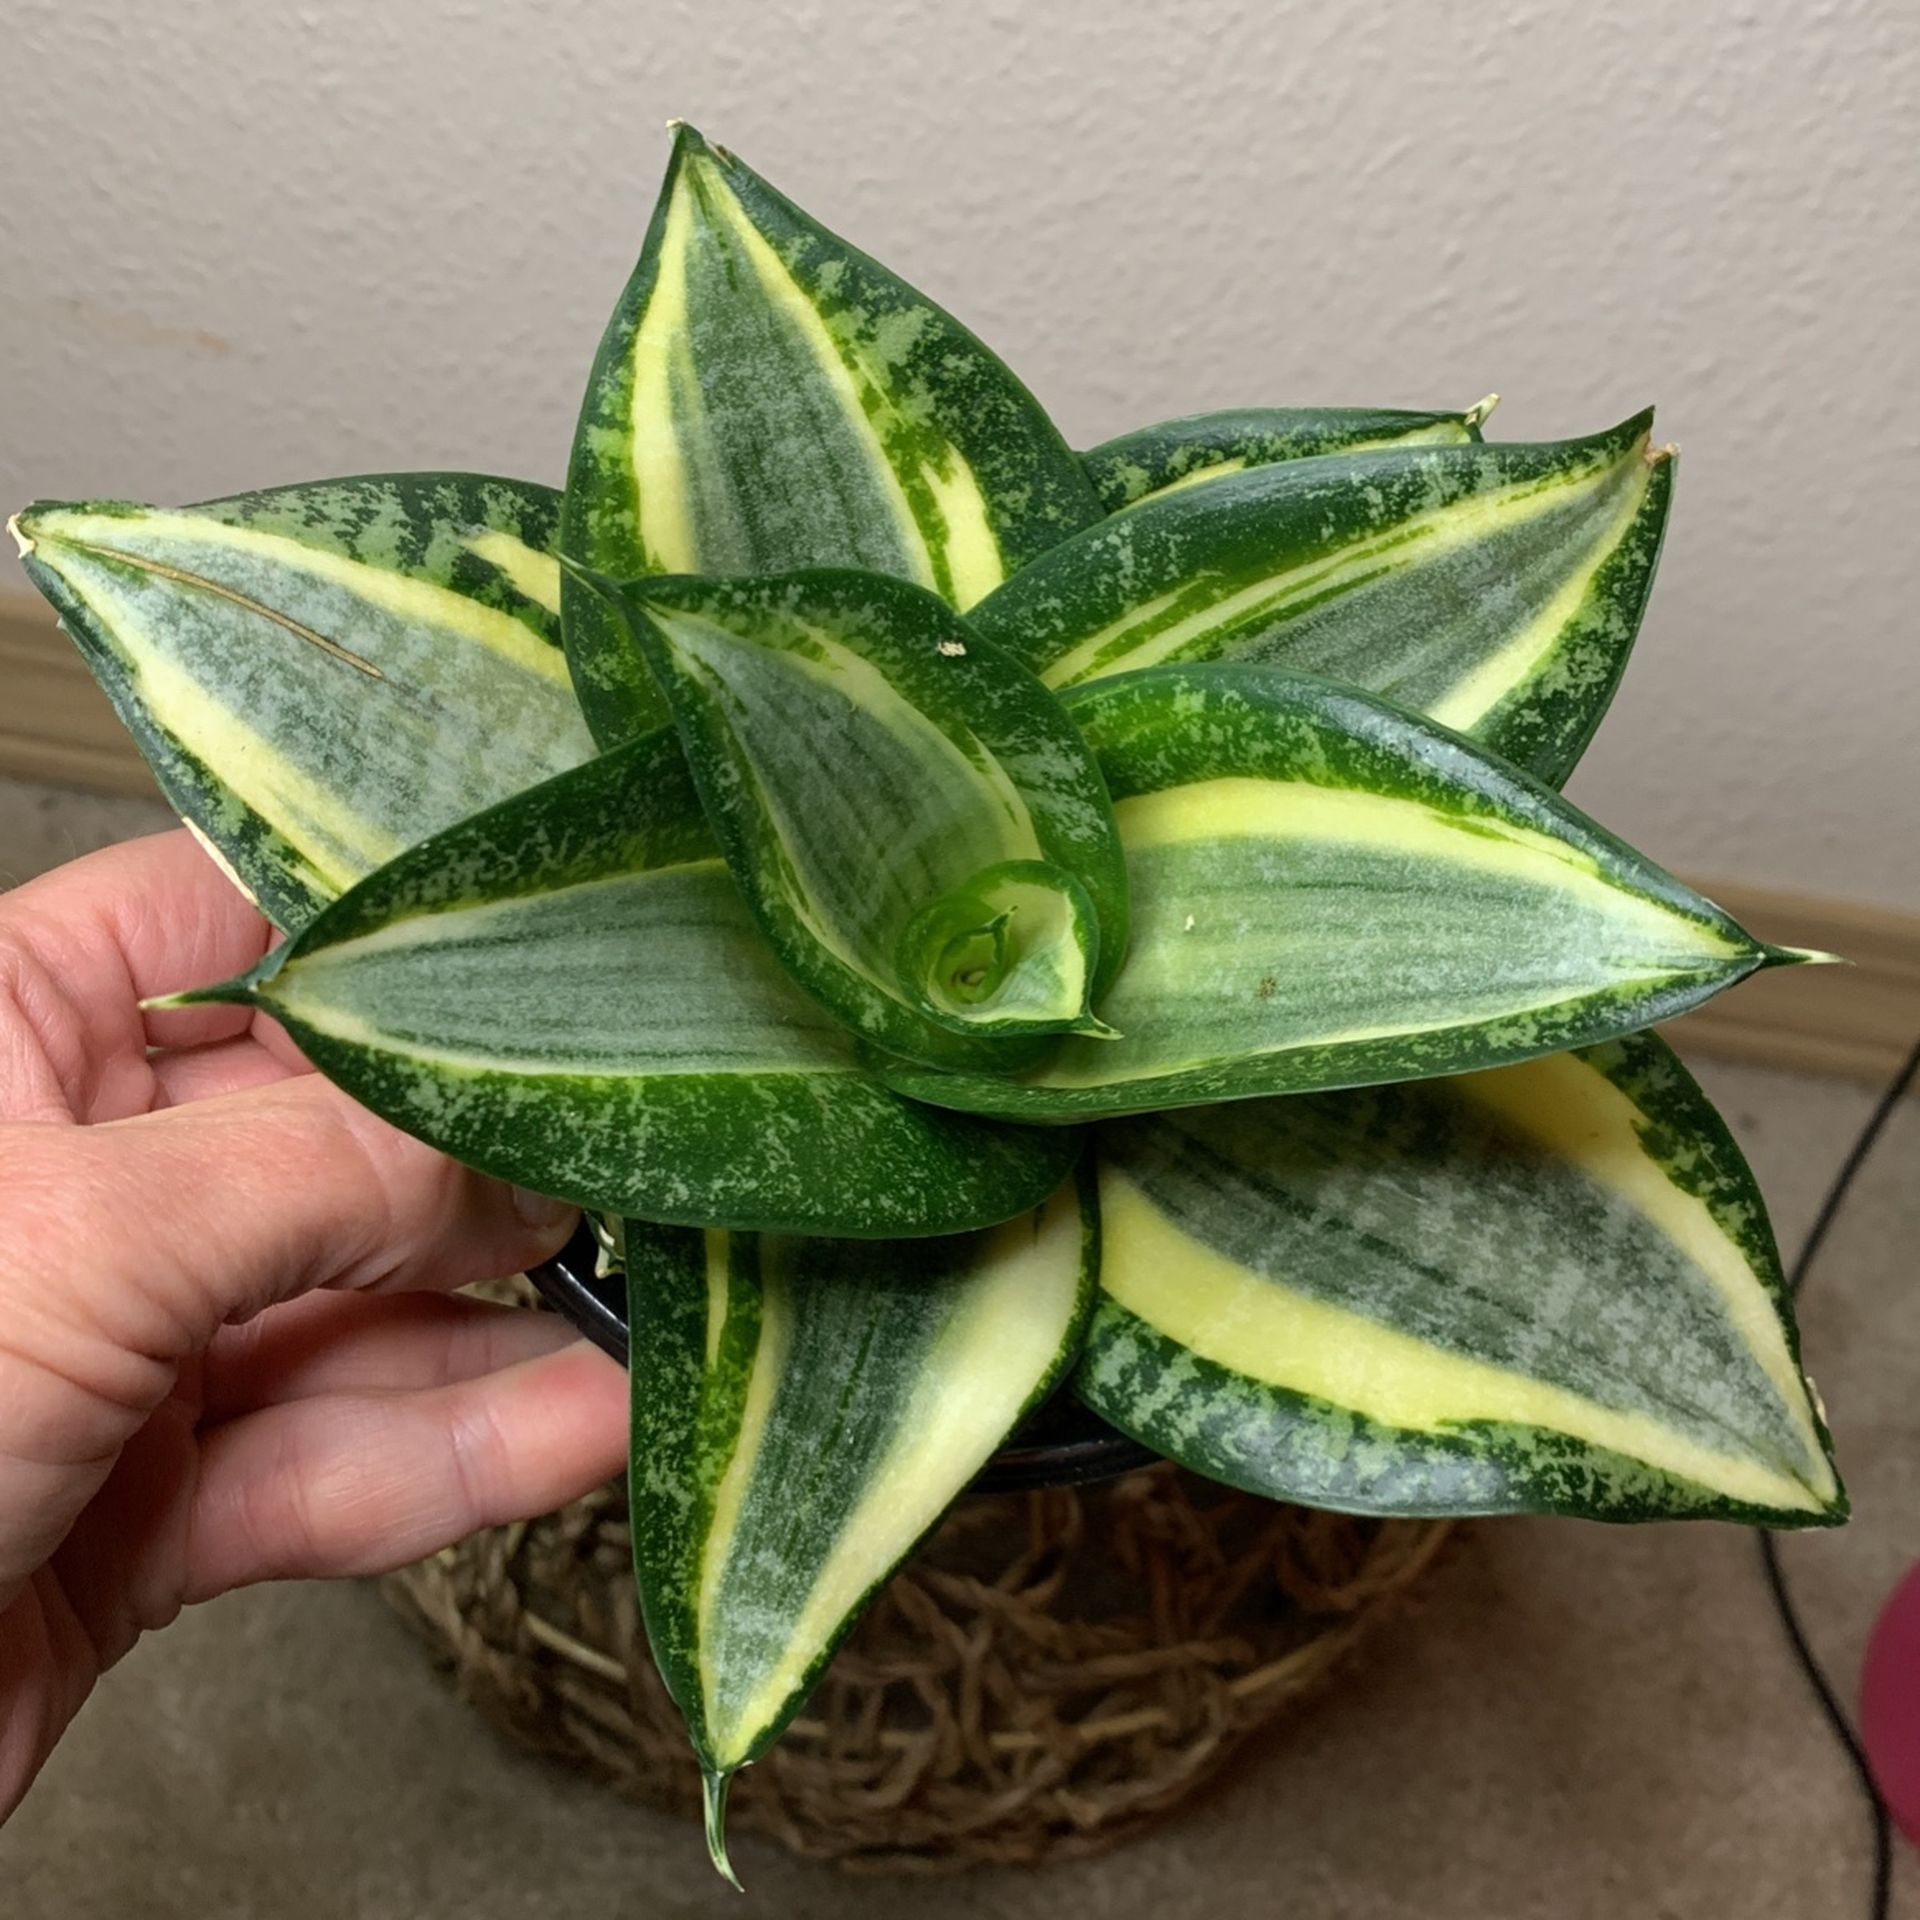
<point>237,992</point>
<point>590,920</point>
<point>592,578</point>
<point>766,398</point>
<point>301,777</point>
<point>1477,414</point>
<point>713,1796</point>
<point>1282,1300</point>
<point>22,539</point>
<point>689,143</point>
<point>1324,816</point>
<point>1513,628</point>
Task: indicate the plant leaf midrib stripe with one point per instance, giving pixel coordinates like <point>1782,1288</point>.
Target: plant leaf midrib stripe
<point>302,833</point>
<point>180,576</point>
<point>414,598</point>
<point>865,401</point>
<point>588,1072</point>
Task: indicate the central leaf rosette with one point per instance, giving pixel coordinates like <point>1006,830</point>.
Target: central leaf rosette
<point>923,835</point>
<point>1008,950</point>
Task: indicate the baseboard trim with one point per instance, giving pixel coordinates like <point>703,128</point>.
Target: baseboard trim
<point>1858,1020</point>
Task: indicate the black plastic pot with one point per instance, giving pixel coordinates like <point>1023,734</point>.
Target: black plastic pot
<point>1060,1444</point>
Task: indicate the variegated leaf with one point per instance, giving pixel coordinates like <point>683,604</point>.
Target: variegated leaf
<point>1495,588</point>
<point>803,1412</point>
<point>1328,892</point>
<point>567,991</point>
<point>915,822</point>
<point>1547,1288</point>
<point>1175,454</point>
<point>767,397</point>
<point>321,675</point>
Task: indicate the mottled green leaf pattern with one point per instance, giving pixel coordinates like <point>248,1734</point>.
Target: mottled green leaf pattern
<point>803,1411</point>
<point>321,675</point>
<point>767,397</point>
<point>1327,891</point>
<point>917,825</point>
<point>1199,447</point>
<point>1547,1288</point>
<point>567,991</point>
<point>1497,589</point>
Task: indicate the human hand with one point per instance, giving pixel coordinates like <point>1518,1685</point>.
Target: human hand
<point>227,1352</point>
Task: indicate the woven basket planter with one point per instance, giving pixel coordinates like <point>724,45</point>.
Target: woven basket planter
<point>1047,1674</point>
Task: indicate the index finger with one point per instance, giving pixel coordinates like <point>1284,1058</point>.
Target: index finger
<point>144,918</point>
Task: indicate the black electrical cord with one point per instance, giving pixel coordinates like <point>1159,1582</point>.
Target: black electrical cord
<point>1881,1901</point>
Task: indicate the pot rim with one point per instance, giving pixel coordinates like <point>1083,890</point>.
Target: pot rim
<point>595,1303</point>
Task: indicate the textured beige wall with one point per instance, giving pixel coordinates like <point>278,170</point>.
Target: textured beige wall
<point>243,243</point>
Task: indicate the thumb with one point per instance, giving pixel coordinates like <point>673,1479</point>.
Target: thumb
<point>156,1231</point>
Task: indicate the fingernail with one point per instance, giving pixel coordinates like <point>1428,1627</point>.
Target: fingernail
<point>541,1210</point>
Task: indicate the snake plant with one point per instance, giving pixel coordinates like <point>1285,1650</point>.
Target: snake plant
<point>982,921</point>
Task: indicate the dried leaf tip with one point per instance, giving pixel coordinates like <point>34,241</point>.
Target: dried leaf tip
<point>713,1797</point>
<point>21,538</point>
<point>691,144</point>
<point>1476,415</point>
<point>1659,456</point>
<point>1805,957</point>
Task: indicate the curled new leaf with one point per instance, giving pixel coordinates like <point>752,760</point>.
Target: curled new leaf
<point>1548,1288</point>
<point>767,397</point>
<point>1329,892</point>
<point>803,1411</point>
<point>321,675</point>
<point>1497,589</point>
<point>1199,447</point>
<point>915,822</point>
<point>1005,952</point>
<point>567,991</point>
